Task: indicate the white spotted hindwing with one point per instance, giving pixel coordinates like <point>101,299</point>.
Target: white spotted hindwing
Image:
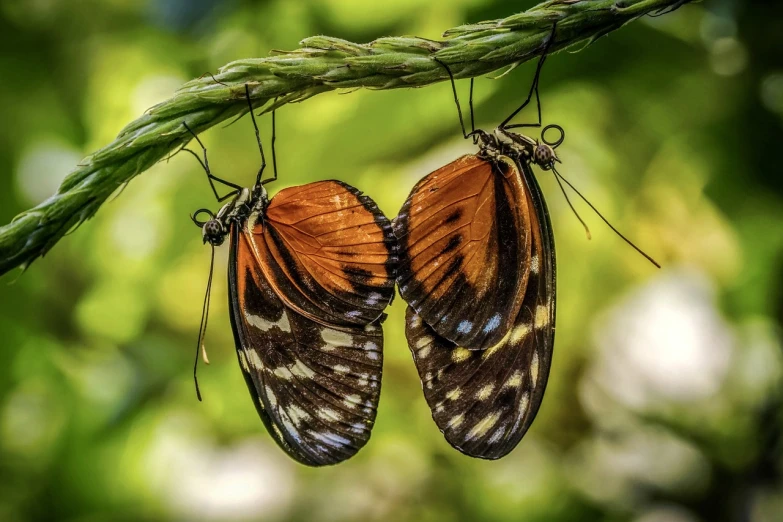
<point>464,236</point>
<point>485,401</point>
<point>315,387</point>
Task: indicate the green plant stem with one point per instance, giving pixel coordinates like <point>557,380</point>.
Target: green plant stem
<point>321,64</point>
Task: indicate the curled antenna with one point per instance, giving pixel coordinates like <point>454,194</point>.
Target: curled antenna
<point>559,177</point>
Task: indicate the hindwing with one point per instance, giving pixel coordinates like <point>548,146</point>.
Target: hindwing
<point>465,245</point>
<point>485,401</point>
<point>316,387</point>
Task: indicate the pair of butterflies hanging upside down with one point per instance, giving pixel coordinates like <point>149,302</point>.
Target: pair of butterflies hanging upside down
<point>312,270</point>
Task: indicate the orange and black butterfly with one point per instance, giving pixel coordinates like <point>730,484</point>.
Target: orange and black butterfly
<point>311,271</point>
<point>477,270</point>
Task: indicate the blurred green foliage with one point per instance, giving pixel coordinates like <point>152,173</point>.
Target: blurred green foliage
<point>664,400</point>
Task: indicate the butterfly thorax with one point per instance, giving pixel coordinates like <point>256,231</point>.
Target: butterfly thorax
<point>245,206</point>
<point>519,147</point>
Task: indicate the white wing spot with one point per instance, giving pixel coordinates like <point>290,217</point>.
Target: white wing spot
<point>363,379</point>
<point>456,421</point>
<point>254,360</point>
<point>297,414</point>
<point>424,352</point>
<point>352,400</point>
<point>454,394</point>
<point>484,393</point>
<point>493,323</point>
<point>300,369</point>
<point>327,414</point>
<point>515,381</point>
<point>534,265</point>
<point>484,425</point>
<point>524,401</point>
<point>283,372</point>
<point>465,327</point>
<point>264,325</point>
<point>243,361</point>
<point>373,355</point>
<point>424,341</point>
<point>289,427</point>
<point>519,333</point>
<point>460,354</point>
<point>534,368</point>
<point>495,438</point>
<point>513,337</point>
<point>270,396</point>
<point>331,439</point>
<point>336,338</point>
<point>339,368</point>
<point>353,314</point>
<point>542,316</point>
<point>416,321</point>
<point>373,298</point>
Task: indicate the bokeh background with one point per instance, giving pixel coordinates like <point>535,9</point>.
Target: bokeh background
<point>664,401</point>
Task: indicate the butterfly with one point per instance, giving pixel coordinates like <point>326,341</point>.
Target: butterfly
<point>478,271</point>
<point>311,271</point>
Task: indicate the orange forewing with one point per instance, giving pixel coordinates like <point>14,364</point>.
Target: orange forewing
<point>328,252</point>
<point>465,239</point>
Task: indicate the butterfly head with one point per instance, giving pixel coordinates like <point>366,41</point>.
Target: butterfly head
<point>544,155</point>
<point>215,229</point>
<point>213,232</point>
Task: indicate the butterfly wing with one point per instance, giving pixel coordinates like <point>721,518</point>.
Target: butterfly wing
<point>465,245</point>
<point>485,401</point>
<point>328,252</point>
<point>315,387</point>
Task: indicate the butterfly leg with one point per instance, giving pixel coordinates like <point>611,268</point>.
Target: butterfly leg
<point>274,155</point>
<point>258,136</point>
<point>533,89</point>
<point>459,107</point>
<point>205,165</point>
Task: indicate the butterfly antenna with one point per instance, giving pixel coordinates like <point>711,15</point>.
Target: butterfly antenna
<point>650,259</point>
<point>201,350</point>
<point>568,200</point>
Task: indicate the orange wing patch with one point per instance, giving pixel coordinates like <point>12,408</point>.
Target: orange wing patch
<point>328,252</point>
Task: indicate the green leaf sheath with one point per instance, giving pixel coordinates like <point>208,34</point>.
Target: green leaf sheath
<point>321,64</point>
